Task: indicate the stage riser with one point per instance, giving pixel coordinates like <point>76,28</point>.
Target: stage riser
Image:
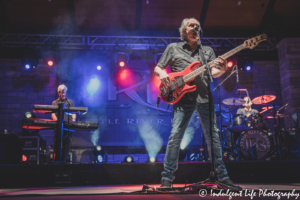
<point>141,173</point>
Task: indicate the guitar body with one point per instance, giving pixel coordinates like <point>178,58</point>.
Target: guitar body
<point>178,88</point>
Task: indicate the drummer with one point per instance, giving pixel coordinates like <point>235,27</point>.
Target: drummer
<point>247,110</point>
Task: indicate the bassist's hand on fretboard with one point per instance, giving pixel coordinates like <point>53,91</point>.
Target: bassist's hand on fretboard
<point>219,67</point>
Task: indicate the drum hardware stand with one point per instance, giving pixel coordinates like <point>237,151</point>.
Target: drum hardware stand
<point>253,152</point>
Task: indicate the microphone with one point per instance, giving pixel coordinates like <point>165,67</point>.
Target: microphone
<point>196,29</point>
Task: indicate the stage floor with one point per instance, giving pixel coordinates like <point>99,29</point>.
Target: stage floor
<point>45,176</point>
<point>135,192</point>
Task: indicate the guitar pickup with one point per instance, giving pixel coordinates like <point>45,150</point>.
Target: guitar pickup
<point>163,91</point>
<point>179,82</point>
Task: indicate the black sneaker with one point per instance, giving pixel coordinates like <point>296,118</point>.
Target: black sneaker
<point>165,183</point>
<point>228,184</point>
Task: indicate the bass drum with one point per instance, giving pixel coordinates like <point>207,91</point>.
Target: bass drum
<point>255,140</point>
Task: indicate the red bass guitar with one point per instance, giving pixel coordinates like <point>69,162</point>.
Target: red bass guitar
<point>180,81</point>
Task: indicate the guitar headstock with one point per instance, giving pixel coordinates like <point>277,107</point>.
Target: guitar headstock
<point>253,42</point>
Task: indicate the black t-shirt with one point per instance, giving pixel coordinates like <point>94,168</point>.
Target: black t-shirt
<point>68,103</point>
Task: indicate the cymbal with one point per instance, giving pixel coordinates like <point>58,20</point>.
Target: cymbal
<point>271,117</point>
<point>278,115</point>
<point>267,107</point>
<point>268,104</point>
<point>263,99</point>
<point>234,101</point>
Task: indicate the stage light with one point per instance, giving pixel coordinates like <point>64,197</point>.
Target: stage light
<point>193,157</point>
<point>100,158</point>
<point>128,159</point>
<point>50,63</point>
<point>245,63</point>
<point>229,64</point>
<point>182,154</point>
<point>98,148</point>
<point>30,58</point>
<point>99,67</point>
<point>93,86</point>
<point>50,52</point>
<point>152,159</point>
<point>24,158</point>
<point>147,1</point>
<point>100,154</point>
<point>121,58</point>
<point>121,63</point>
<point>29,115</point>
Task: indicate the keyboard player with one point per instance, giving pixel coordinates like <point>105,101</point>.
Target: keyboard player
<point>68,117</point>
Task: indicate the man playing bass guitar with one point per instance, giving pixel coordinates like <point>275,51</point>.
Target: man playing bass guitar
<point>179,56</point>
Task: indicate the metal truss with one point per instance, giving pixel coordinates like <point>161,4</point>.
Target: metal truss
<point>120,42</point>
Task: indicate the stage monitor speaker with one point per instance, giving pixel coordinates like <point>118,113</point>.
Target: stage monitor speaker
<point>10,149</point>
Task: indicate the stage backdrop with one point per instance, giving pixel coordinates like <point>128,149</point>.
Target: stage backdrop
<point>123,102</point>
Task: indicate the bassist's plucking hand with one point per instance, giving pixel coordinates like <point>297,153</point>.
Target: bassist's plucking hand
<point>163,76</point>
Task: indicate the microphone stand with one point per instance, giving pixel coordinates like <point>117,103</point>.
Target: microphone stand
<point>210,104</point>
<point>212,177</point>
<point>219,91</point>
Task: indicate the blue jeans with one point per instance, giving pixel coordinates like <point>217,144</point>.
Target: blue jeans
<point>182,113</point>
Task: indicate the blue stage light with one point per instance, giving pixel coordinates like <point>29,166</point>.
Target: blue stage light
<point>100,154</point>
<point>27,66</point>
<point>100,158</point>
<point>248,68</point>
<point>193,157</point>
<point>99,67</point>
<point>93,86</point>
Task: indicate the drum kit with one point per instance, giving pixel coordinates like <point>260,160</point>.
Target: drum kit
<point>253,139</point>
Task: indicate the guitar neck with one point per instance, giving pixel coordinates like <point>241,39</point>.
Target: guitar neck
<point>200,70</point>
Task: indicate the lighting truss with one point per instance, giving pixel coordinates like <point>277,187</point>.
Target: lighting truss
<point>121,42</point>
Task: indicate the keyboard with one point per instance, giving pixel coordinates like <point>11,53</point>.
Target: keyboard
<point>54,108</point>
<point>42,124</point>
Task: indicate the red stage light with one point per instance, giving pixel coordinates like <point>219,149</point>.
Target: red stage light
<point>123,75</point>
<point>122,64</point>
<point>50,63</point>
<point>24,158</point>
<point>229,64</point>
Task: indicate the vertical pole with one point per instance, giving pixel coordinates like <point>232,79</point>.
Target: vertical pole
<point>221,130</point>
<point>59,132</point>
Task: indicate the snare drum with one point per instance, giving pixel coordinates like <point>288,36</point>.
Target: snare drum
<point>239,123</point>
